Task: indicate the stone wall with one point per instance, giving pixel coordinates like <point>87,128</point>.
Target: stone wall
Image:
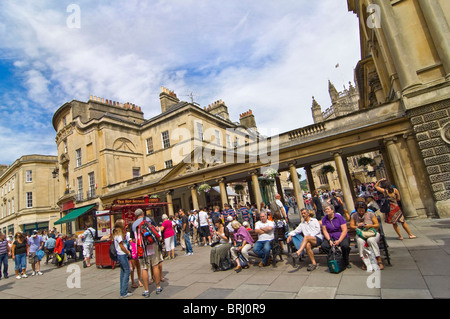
<point>431,125</point>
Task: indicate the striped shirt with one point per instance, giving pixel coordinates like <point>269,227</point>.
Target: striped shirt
<point>3,247</point>
<point>245,213</point>
<point>229,212</point>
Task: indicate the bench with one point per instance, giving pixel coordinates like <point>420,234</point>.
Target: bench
<point>352,234</point>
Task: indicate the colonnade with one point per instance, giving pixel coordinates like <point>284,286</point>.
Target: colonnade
<point>403,165</point>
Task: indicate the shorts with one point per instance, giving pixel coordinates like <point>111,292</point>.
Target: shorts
<point>87,250</point>
<point>318,240</point>
<point>152,260</point>
<point>32,258</point>
<point>205,231</point>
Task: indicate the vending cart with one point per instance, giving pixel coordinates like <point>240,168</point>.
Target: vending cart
<point>122,209</point>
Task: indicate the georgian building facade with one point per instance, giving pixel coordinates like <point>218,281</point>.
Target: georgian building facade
<point>28,195</point>
<point>106,148</point>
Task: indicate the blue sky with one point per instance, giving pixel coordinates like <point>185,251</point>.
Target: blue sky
<point>268,56</point>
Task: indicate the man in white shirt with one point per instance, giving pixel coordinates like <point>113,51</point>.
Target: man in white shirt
<point>204,226</point>
<point>312,236</point>
<point>262,247</point>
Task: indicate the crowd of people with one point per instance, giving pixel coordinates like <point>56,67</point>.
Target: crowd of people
<point>39,246</point>
<point>325,223</point>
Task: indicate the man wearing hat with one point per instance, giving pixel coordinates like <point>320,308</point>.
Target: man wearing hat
<point>35,242</point>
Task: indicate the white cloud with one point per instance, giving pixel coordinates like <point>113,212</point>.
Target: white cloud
<point>269,56</point>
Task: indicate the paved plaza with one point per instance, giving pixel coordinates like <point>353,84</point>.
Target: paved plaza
<point>419,271</point>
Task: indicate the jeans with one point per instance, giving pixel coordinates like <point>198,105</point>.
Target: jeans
<point>296,240</point>
<point>262,249</point>
<point>4,261</point>
<point>187,241</point>
<point>21,262</point>
<point>124,273</point>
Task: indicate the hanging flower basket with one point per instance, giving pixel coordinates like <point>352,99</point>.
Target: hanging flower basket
<point>327,169</point>
<point>270,173</point>
<point>364,161</point>
<point>239,188</point>
<point>204,188</point>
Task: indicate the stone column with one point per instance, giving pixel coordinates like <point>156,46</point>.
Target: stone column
<point>439,30</point>
<point>223,191</point>
<point>419,173</point>
<point>194,197</point>
<point>400,178</point>
<point>405,66</point>
<point>279,189</point>
<point>256,189</point>
<point>348,199</point>
<point>170,203</point>
<point>297,189</point>
<point>310,178</point>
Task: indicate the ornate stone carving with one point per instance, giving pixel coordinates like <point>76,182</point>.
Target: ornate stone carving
<point>445,133</point>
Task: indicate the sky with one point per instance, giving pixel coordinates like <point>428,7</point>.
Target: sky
<point>265,55</point>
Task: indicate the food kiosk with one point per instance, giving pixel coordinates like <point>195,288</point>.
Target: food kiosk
<point>122,209</point>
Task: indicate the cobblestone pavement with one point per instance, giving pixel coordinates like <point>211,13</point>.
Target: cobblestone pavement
<point>419,271</point>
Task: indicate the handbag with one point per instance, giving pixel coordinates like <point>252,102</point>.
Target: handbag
<point>335,260</point>
<point>243,261</point>
<point>385,205</point>
<point>366,233</point>
<point>226,263</point>
<point>40,254</point>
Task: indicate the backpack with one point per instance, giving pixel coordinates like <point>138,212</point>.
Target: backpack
<point>335,203</point>
<point>226,263</point>
<point>113,251</point>
<point>147,234</point>
<point>276,211</point>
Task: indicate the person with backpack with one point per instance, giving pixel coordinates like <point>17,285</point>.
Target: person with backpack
<point>88,245</point>
<point>118,236</point>
<point>150,256</point>
<point>338,204</point>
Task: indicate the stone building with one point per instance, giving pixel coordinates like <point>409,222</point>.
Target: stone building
<point>107,149</point>
<point>28,195</point>
<point>343,104</point>
<point>405,58</point>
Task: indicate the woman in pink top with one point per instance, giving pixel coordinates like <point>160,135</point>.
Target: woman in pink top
<point>168,235</point>
<point>243,242</point>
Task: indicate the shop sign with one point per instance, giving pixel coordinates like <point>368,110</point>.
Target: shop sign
<point>134,201</point>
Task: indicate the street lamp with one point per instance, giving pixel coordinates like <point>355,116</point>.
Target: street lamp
<point>55,172</point>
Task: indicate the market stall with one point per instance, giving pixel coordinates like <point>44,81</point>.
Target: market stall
<point>122,209</point>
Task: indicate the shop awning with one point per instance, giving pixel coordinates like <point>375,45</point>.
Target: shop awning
<point>74,214</point>
<point>230,192</point>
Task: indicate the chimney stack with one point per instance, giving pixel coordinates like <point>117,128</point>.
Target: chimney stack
<point>167,98</point>
<point>247,120</point>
